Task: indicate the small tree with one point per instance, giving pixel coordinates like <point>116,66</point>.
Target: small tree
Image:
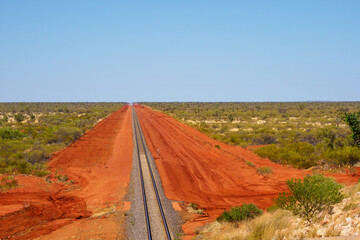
<point>19,117</point>
<point>36,156</point>
<point>231,117</point>
<point>32,117</point>
<point>314,194</point>
<point>353,120</point>
<point>327,136</point>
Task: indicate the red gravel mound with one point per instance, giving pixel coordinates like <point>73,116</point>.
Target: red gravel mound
<point>192,169</point>
<point>42,218</point>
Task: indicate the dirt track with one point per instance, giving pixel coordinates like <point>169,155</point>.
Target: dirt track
<point>99,164</point>
<point>192,169</point>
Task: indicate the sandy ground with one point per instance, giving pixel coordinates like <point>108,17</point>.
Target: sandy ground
<point>192,169</point>
<point>86,206</point>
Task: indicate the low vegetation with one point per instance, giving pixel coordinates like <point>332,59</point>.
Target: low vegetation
<point>353,119</point>
<point>7,182</point>
<point>264,170</point>
<point>302,135</point>
<point>242,213</point>
<point>251,164</point>
<point>342,220</point>
<point>268,226</point>
<point>194,208</point>
<point>310,196</point>
<point>31,132</point>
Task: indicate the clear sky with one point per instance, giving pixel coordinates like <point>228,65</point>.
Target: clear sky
<point>188,50</point>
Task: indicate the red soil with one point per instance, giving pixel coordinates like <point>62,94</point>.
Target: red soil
<point>192,169</point>
<point>99,164</point>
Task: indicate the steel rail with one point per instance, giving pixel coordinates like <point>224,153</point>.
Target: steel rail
<point>166,228</point>
<point>147,219</point>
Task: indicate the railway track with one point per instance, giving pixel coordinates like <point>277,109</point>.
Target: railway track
<point>156,225</point>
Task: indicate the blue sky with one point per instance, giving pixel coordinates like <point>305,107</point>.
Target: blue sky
<point>180,50</point>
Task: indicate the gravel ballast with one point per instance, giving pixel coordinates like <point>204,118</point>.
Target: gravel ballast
<point>135,218</point>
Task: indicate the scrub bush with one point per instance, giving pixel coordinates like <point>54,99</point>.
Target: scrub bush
<point>19,117</point>
<point>9,133</point>
<point>8,182</point>
<point>311,196</point>
<point>41,173</point>
<point>263,138</point>
<point>343,156</point>
<point>299,155</point>
<point>251,164</point>
<point>238,214</point>
<point>5,119</point>
<point>265,170</point>
<point>36,156</point>
<point>327,136</point>
<point>353,120</point>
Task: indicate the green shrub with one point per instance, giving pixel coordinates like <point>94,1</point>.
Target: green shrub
<point>24,166</point>
<point>235,139</point>
<point>314,194</point>
<point>238,214</point>
<point>32,117</point>
<point>61,178</point>
<point>343,156</point>
<point>264,138</point>
<point>8,182</point>
<point>19,117</point>
<point>36,156</point>
<point>67,135</point>
<point>353,120</point>
<point>62,135</point>
<point>299,155</point>
<point>272,208</point>
<point>193,205</point>
<point>270,152</point>
<point>41,173</point>
<point>251,164</point>
<point>327,136</point>
<point>265,170</point>
<point>9,133</point>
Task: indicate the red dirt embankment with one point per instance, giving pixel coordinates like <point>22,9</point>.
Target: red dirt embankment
<point>101,160</point>
<point>99,166</point>
<point>192,169</point>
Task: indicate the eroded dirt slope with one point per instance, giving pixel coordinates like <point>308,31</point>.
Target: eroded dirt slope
<point>192,169</point>
<point>101,160</point>
<point>98,166</point>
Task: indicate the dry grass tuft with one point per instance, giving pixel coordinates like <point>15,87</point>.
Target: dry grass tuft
<point>281,224</point>
<point>194,208</point>
<point>275,225</point>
